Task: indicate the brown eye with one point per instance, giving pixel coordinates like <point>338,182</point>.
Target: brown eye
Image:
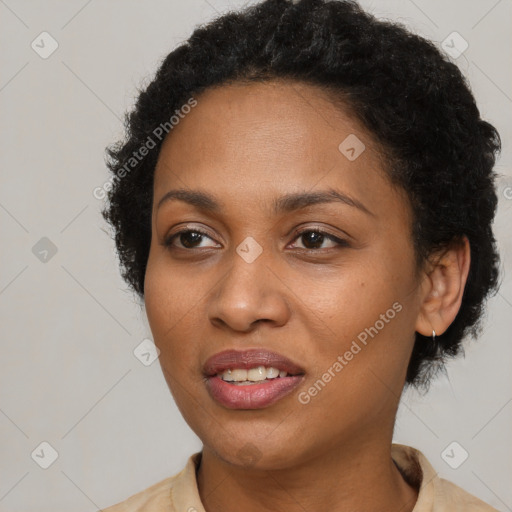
<point>188,239</point>
<point>313,239</point>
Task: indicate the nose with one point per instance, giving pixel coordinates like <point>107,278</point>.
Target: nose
<point>249,294</point>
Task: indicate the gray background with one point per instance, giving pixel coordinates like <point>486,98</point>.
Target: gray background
<point>68,373</point>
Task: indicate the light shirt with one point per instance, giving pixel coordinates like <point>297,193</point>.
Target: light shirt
<point>179,493</point>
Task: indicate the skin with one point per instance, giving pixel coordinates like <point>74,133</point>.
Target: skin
<point>246,145</point>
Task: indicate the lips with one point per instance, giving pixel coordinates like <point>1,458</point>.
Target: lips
<point>248,359</point>
<point>257,395</point>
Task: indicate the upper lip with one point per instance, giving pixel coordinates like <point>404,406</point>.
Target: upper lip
<point>247,359</point>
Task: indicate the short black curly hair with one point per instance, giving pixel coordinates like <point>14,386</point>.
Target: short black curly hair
<point>406,93</point>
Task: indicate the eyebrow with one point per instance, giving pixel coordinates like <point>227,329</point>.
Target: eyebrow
<point>283,204</point>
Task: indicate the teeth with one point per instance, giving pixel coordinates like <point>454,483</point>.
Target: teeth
<point>257,374</point>
<point>272,373</point>
<point>234,375</point>
<point>253,375</point>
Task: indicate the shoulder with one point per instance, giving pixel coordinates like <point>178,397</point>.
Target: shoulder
<point>456,499</point>
<point>167,495</point>
<point>154,498</point>
<point>435,493</point>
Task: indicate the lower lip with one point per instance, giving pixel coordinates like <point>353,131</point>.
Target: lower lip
<point>251,396</point>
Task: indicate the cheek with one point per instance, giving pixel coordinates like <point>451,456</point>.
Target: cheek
<point>168,297</point>
<point>363,313</point>
<point>170,315</point>
<point>169,308</point>
<point>350,297</point>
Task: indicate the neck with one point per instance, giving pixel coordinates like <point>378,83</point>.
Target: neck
<point>354,476</point>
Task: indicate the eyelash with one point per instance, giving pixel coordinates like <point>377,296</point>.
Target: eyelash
<point>340,242</point>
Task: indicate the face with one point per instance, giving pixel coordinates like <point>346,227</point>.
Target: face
<point>302,248</point>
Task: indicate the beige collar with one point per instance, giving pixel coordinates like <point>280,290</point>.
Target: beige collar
<point>435,494</point>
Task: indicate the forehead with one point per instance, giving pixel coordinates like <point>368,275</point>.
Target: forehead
<point>273,137</point>
<point>283,116</point>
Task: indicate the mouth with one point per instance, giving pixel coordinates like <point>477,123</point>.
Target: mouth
<point>250,379</point>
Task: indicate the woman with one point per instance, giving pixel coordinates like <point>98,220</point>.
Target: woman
<point>304,202</point>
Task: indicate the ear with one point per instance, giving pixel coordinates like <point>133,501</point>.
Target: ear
<point>443,287</point>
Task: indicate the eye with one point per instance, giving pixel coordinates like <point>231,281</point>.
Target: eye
<point>188,238</point>
<point>313,239</point>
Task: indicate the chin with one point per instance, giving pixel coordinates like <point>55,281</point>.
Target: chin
<point>259,455</point>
